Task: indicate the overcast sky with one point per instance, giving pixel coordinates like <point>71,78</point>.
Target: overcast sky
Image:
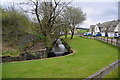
<point>97,11</point>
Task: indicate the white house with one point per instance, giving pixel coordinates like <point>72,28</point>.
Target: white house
<point>107,28</point>
<point>113,25</point>
<point>91,29</point>
<point>117,30</point>
<point>97,29</point>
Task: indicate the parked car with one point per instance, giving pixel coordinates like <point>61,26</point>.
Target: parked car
<point>117,35</point>
<point>87,34</point>
<point>98,34</point>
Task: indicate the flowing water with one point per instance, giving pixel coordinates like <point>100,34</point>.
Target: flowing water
<point>59,48</point>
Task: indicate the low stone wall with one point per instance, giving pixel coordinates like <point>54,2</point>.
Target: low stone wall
<point>103,72</point>
<point>25,56</point>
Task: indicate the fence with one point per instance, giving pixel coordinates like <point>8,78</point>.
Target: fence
<point>103,72</point>
<point>113,41</point>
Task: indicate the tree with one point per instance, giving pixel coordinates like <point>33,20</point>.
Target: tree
<point>65,30</point>
<point>13,25</point>
<point>73,16</point>
<point>47,16</point>
<point>66,23</point>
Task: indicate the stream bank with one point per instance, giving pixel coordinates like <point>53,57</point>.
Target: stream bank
<point>60,48</point>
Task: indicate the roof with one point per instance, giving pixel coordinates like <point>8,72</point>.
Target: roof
<point>92,26</point>
<point>99,25</point>
<point>108,26</point>
<point>115,23</point>
<point>117,29</point>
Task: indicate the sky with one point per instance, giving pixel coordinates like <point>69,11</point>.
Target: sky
<point>97,11</point>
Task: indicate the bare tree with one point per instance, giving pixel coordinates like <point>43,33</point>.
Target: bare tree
<point>73,16</point>
<point>66,23</point>
<point>47,14</point>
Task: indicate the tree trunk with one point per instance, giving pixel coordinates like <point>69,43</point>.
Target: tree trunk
<point>72,33</point>
<point>66,35</point>
<point>47,40</point>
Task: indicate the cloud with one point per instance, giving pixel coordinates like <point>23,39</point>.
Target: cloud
<point>92,11</point>
<point>86,24</point>
<point>98,12</point>
<point>91,0</point>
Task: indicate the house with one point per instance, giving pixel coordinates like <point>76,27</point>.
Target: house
<point>117,30</point>
<point>111,32</point>
<point>107,29</point>
<point>97,28</point>
<point>91,29</point>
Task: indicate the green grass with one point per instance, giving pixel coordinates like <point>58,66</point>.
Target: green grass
<point>10,54</point>
<point>91,56</point>
<point>82,31</point>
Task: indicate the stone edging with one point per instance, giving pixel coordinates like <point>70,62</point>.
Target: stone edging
<point>46,58</point>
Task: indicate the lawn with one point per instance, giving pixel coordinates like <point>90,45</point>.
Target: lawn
<point>82,31</point>
<point>90,56</point>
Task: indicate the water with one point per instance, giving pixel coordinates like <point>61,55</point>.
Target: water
<point>59,48</point>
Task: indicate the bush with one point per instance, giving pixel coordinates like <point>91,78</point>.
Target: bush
<point>39,36</point>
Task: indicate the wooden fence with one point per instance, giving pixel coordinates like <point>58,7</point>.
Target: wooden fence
<point>105,71</point>
<point>113,41</point>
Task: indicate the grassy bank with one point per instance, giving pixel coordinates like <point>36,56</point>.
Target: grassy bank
<point>91,56</point>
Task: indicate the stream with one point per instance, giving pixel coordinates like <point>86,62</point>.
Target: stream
<point>59,48</point>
